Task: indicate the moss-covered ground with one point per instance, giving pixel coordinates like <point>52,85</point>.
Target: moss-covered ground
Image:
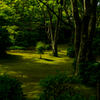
<point>26,66</point>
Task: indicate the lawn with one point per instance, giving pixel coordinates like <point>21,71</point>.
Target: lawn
<point>26,66</point>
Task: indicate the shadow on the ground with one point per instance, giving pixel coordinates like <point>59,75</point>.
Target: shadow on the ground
<point>29,70</point>
<point>47,59</point>
<point>10,57</point>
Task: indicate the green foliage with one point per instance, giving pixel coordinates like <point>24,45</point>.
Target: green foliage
<point>74,64</point>
<point>16,48</point>
<point>42,35</point>
<point>50,54</point>
<point>96,46</point>
<point>90,73</point>
<point>5,41</point>
<point>48,47</point>
<point>63,36</point>
<point>55,86</point>
<point>40,48</point>
<point>10,88</point>
<point>71,52</point>
<point>75,97</point>
<point>26,38</point>
<point>97,32</point>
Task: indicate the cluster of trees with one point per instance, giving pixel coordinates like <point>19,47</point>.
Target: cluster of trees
<point>20,16</point>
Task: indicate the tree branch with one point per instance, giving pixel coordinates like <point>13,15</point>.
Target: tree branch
<point>57,15</point>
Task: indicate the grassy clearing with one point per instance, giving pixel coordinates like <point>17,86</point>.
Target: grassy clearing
<point>26,66</point>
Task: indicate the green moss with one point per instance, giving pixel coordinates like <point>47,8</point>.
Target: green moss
<point>26,66</point>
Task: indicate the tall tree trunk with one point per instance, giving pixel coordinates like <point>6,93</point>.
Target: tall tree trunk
<point>84,34</point>
<point>54,35</point>
<point>54,48</point>
<point>77,22</point>
<point>83,31</point>
<point>48,34</point>
<point>91,31</point>
<point>77,38</point>
<point>53,41</point>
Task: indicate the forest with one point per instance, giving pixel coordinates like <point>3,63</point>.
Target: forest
<point>49,50</point>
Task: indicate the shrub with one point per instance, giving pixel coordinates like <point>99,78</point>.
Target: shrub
<point>26,38</point>
<point>90,73</point>
<point>75,97</point>
<point>71,52</point>
<point>16,48</point>
<point>5,41</point>
<point>22,43</point>
<point>74,64</point>
<point>42,35</point>
<point>60,87</point>
<point>96,46</point>
<point>48,47</point>
<point>10,88</point>
<point>40,47</point>
<point>55,86</point>
<point>32,38</point>
<point>50,54</point>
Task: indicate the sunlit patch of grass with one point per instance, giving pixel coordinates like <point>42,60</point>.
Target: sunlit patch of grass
<point>26,66</point>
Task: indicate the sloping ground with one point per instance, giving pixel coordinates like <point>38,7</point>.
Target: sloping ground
<point>26,66</point>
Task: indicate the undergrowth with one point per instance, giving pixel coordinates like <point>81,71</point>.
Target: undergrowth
<point>60,87</point>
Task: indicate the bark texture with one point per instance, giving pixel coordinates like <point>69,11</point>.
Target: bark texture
<point>55,34</point>
<point>84,30</point>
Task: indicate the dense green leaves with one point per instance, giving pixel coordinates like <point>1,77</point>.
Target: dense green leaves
<point>71,52</point>
<point>16,48</point>
<point>4,41</point>
<point>23,24</point>
<point>40,47</point>
<point>90,73</point>
<point>10,88</point>
<point>26,38</point>
<point>59,87</point>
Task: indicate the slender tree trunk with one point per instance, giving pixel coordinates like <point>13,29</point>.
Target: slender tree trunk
<point>77,38</point>
<point>54,48</point>
<point>53,41</point>
<point>77,22</point>
<point>54,35</point>
<point>48,34</point>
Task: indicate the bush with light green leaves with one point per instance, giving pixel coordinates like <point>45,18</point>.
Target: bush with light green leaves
<point>40,48</point>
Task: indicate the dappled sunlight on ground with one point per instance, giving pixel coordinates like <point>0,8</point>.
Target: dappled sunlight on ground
<point>26,66</point>
<point>32,88</point>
